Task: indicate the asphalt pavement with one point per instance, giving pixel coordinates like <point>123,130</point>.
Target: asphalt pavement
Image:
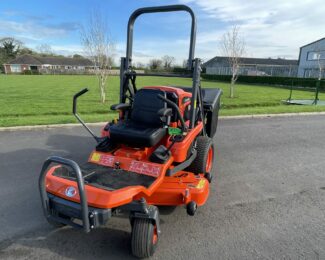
<point>267,198</point>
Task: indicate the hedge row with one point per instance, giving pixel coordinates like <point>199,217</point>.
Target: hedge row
<point>267,80</point>
<point>30,72</point>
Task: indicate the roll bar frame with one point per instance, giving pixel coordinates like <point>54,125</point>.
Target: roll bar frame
<point>193,66</point>
<point>160,9</point>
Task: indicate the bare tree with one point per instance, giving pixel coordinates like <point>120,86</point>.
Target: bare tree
<point>167,61</point>
<point>184,64</point>
<point>98,46</point>
<point>155,64</point>
<point>233,47</point>
<point>45,49</point>
<point>139,65</point>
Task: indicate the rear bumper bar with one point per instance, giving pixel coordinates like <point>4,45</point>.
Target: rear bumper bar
<point>60,207</point>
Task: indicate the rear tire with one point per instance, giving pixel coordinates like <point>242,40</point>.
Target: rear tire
<point>144,238</point>
<point>205,154</point>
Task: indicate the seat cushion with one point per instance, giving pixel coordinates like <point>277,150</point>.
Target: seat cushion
<point>135,134</point>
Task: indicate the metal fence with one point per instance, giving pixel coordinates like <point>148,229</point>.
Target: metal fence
<point>256,70</point>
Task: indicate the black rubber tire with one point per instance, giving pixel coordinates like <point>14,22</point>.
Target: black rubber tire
<point>203,144</point>
<point>191,208</point>
<point>142,238</point>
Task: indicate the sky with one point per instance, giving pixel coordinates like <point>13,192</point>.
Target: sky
<point>270,28</point>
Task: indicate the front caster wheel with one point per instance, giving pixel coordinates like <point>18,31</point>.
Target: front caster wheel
<point>144,238</point>
<point>208,176</point>
<point>191,208</point>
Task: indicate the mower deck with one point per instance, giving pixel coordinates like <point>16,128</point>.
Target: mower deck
<point>109,188</point>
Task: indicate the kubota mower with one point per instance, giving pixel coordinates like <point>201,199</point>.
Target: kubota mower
<point>159,152</point>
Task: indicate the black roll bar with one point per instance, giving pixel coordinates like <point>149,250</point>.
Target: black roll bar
<point>159,9</point>
<point>194,64</point>
<point>81,190</point>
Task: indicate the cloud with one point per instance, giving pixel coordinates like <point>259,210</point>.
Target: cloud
<point>270,28</point>
<point>33,30</point>
<point>64,26</point>
<point>69,49</point>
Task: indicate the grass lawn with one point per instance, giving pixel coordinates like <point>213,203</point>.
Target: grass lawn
<point>47,99</point>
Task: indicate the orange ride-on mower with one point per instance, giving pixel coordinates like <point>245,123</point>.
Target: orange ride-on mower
<point>159,152</point>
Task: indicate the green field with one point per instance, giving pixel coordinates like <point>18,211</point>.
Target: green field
<point>40,99</point>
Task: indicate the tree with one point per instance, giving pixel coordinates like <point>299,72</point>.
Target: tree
<point>25,50</point>
<point>155,64</point>
<point>45,49</point>
<point>167,61</point>
<point>139,65</point>
<point>233,47</point>
<point>110,61</point>
<point>98,46</point>
<point>9,49</point>
<point>184,64</point>
<point>77,56</point>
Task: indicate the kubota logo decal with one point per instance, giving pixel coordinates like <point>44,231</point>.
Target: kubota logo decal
<point>144,168</point>
<point>70,191</point>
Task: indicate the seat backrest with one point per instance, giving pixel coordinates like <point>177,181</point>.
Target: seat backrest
<point>146,105</point>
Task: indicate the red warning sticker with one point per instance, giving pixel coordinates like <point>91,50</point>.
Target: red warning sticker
<point>144,168</point>
<point>107,160</point>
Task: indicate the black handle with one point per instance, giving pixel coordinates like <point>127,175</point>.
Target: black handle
<point>74,111</point>
<point>159,9</point>
<point>173,105</point>
<point>80,182</point>
<point>75,97</point>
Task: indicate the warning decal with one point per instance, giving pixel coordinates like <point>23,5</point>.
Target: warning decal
<point>103,159</point>
<point>144,168</point>
<point>200,185</point>
<point>95,157</point>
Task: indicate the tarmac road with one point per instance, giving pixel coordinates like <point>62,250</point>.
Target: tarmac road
<point>267,200</point>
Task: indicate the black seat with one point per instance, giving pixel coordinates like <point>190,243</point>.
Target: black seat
<point>144,128</point>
